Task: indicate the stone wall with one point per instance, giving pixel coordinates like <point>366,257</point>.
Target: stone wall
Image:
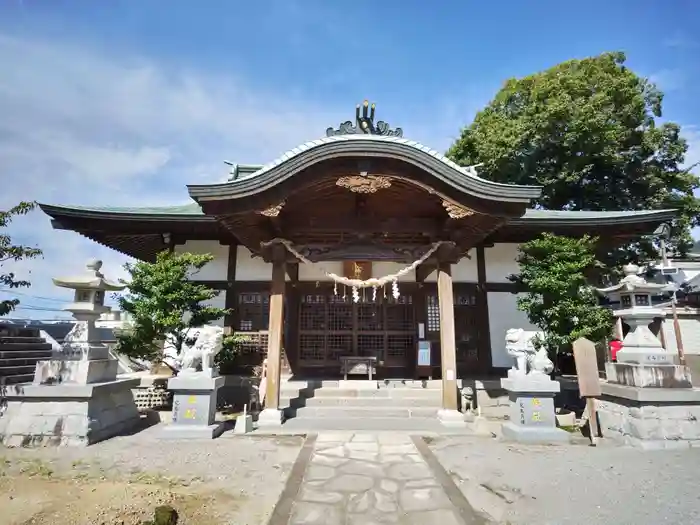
<point>646,425</point>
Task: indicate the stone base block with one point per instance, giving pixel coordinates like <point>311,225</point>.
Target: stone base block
<point>244,424</point>
<point>194,403</point>
<point>175,431</point>
<point>451,418</point>
<point>81,372</point>
<point>650,418</point>
<point>649,375</point>
<point>532,434</point>
<point>68,415</point>
<point>270,417</point>
<point>531,383</point>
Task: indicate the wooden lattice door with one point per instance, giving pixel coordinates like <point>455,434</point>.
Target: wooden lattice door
<point>331,326</point>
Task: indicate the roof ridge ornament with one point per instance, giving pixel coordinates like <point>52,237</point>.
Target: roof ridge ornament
<point>364,124</point>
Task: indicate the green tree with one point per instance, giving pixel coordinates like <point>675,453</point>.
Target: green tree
<point>164,302</point>
<point>13,253</point>
<point>556,295</point>
<point>585,130</point>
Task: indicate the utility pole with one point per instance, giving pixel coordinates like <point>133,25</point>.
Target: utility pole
<point>665,232</point>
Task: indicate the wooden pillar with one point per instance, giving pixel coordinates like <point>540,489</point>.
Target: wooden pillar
<point>482,305</point>
<point>448,345</point>
<point>275,333</point>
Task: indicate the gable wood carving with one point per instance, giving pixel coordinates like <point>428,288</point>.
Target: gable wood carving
<point>455,211</point>
<point>272,211</point>
<point>364,183</point>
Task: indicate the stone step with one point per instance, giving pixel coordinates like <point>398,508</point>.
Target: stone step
<point>17,378</point>
<point>374,393</point>
<point>24,346</point>
<point>17,339</point>
<point>37,355</point>
<point>21,360</point>
<point>364,413</point>
<point>359,402</point>
<point>7,371</point>
<point>390,424</point>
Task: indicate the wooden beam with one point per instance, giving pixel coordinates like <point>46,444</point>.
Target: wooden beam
<point>293,272</point>
<point>362,224</point>
<point>424,270</point>
<point>275,332</point>
<point>231,292</point>
<point>482,304</point>
<point>448,344</point>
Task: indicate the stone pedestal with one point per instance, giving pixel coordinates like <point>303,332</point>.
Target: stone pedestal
<point>650,418</point>
<point>68,414</point>
<point>270,418</point>
<point>532,418</point>
<point>194,406</point>
<point>666,375</point>
<point>451,418</point>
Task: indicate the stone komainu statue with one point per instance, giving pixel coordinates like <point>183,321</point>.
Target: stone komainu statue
<point>528,361</point>
<point>208,343</point>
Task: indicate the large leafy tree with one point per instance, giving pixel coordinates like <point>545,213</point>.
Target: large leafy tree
<point>10,252</point>
<point>553,279</point>
<point>164,302</point>
<point>586,131</point>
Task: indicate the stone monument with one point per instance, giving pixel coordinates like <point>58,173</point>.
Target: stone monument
<point>648,399</point>
<point>76,398</point>
<point>195,387</point>
<point>531,392</point>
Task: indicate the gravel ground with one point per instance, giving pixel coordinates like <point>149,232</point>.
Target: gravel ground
<point>238,479</point>
<point>575,484</point>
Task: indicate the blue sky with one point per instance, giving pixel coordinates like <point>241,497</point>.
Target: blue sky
<point>123,102</point>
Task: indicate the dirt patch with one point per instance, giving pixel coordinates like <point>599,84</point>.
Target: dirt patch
<point>26,500</point>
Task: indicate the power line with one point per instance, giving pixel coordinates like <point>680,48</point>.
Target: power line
<point>38,308</point>
<point>14,292</point>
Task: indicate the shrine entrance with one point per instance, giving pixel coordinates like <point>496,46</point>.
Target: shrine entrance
<point>333,325</point>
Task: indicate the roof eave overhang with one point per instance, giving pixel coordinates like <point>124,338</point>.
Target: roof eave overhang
<point>428,160</point>
<point>59,212</point>
<point>653,219</point>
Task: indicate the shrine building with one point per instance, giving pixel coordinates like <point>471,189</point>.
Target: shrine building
<point>361,243</point>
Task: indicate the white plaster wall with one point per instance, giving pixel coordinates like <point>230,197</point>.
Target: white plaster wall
<point>690,334</point>
<point>501,262</point>
<point>382,269</point>
<point>504,314</point>
<point>216,270</point>
<point>251,269</point>
<point>462,272</point>
<point>316,271</point>
<point>219,302</point>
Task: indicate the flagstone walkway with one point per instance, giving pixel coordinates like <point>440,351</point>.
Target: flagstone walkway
<point>367,479</point>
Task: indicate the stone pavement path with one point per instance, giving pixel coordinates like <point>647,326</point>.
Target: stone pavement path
<point>368,479</point>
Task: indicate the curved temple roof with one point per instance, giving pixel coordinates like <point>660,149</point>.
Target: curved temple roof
<point>193,211</point>
<point>410,151</point>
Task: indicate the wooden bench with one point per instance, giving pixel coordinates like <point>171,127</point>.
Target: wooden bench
<point>358,365</point>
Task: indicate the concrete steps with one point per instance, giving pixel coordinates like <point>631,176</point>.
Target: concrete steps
<point>362,405</point>
<point>20,350</point>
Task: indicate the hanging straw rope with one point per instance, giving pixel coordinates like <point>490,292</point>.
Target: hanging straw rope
<point>359,283</point>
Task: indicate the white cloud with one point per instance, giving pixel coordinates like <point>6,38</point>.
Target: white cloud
<point>81,128</point>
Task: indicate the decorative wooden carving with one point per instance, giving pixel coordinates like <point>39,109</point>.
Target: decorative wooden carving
<point>357,270</point>
<point>272,211</point>
<point>364,183</point>
<point>455,211</point>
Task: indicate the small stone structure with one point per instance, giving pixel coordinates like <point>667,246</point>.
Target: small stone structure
<point>76,398</point>
<point>531,393</point>
<point>195,392</point>
<point>648,399</point>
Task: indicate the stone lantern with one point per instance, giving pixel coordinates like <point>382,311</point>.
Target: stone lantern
<point>641,361</point>
<point>83,359</point>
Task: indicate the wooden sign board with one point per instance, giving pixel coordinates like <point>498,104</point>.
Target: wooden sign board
<point>586,368</point>
<point>361,270</point>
